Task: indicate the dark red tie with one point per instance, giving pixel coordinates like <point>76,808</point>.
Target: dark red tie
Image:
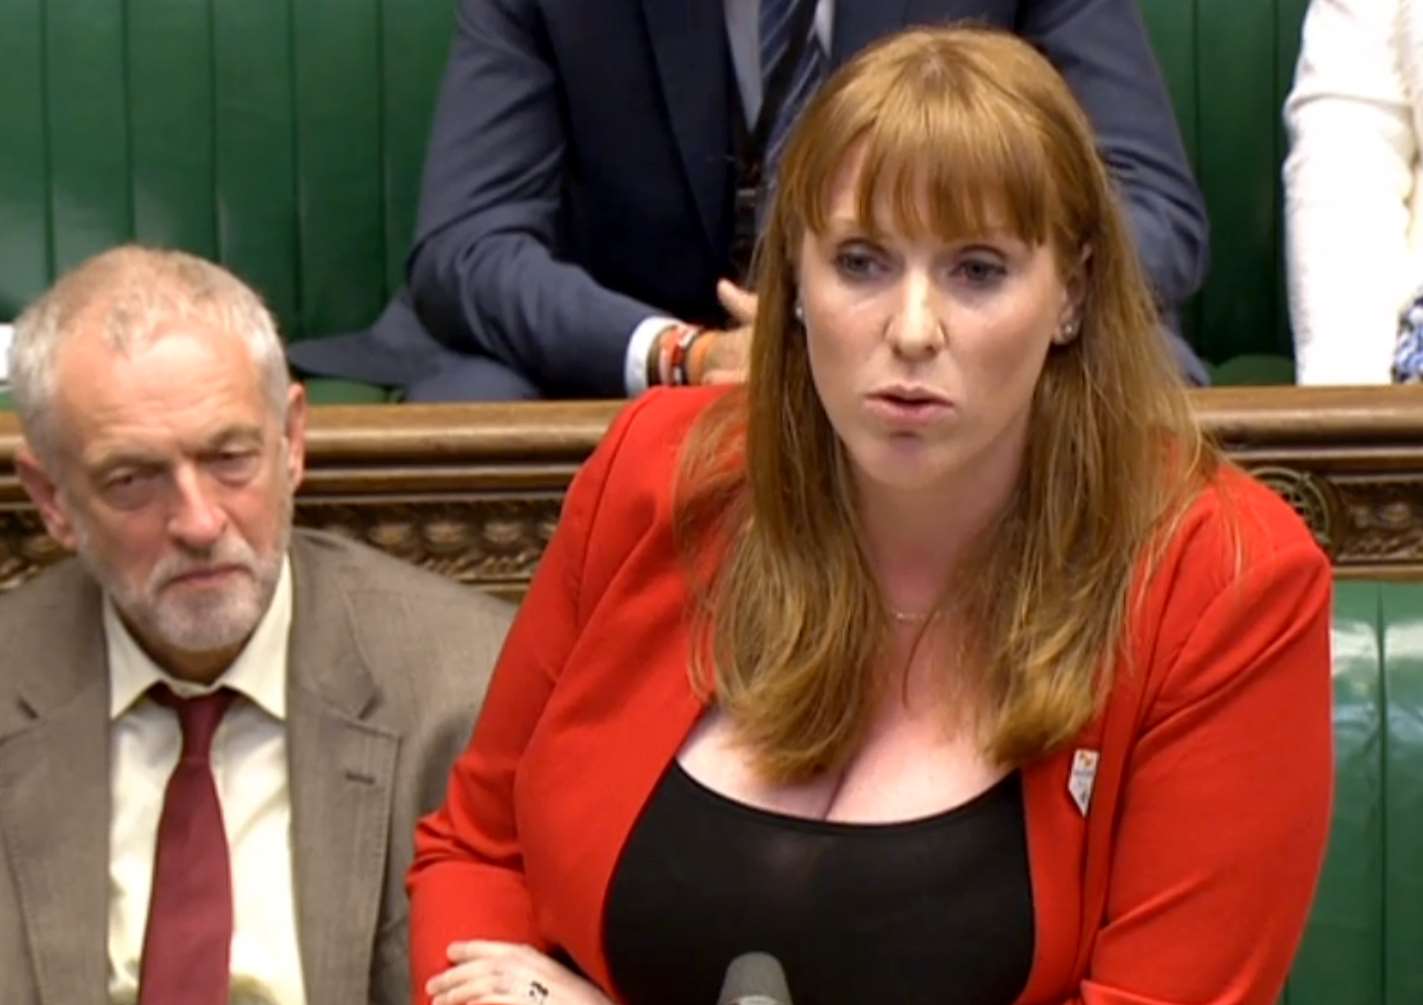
<point>189,932</point>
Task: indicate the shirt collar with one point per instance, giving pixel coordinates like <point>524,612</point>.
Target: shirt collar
<point>259,673</point>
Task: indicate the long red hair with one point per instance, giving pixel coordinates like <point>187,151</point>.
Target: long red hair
<point>789,609</point>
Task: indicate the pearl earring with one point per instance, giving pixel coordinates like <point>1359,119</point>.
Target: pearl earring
<point>799,311</point>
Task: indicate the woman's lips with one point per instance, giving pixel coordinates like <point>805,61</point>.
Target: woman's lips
<point>912,408</point>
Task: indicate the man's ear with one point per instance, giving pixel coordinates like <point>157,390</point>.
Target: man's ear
<point>44,491</point>
<point>294,430</point>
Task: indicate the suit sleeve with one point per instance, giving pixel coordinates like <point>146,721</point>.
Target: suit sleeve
<point>485,273</point>
<point>467,878</point>
<point>1102,50</point>
<point>1225,808</point>
<point>1348,182</point>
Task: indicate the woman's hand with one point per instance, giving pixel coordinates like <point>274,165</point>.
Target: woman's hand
<point>507,973</point>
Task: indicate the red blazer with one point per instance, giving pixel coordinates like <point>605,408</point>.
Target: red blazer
<point>1188,879</point>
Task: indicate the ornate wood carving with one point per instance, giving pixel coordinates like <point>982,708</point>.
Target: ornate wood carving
<point>490,541</point>
<point>473,491</point>
<point>1349,460</point>
<point>25,548</point>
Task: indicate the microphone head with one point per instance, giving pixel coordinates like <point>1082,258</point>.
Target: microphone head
<point>754,979</point>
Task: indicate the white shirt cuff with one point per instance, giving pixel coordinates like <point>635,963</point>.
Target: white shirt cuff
<point>643,338</point>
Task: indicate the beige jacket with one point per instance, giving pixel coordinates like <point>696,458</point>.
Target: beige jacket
<point>387,669</point>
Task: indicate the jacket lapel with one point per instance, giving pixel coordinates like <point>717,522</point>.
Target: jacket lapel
<point>689,45</point>
<point>54,796</point>
<point>342,773</point>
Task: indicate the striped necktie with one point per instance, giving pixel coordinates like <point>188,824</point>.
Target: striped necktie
<point>777,21</point>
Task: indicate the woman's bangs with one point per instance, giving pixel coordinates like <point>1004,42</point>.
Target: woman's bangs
<point>954,169</point>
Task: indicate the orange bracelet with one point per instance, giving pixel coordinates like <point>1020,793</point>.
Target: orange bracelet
<point>697,355</point>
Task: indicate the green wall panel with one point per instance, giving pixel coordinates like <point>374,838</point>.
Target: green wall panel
<point>1229,67</point>
<point>340,209</point>
<point>1289,17</point>
<point>25,251</point>
<point>171,115</point>
<point>1238,170</point>
<point>88,113</point>
<point>284,138</point>
<point>1172,27</point>
<point>255,152</point>
<point>415,35</point>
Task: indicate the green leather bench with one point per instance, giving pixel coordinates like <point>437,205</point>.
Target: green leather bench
<point>285,139</point>
<point>1364,944</point>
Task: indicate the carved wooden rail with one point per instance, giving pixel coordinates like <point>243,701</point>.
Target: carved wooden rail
<point>473,491</point>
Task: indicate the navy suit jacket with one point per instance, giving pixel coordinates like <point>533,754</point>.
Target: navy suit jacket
<point>578,178</point>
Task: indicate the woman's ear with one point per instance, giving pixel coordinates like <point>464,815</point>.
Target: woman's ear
<point>1074,286</point>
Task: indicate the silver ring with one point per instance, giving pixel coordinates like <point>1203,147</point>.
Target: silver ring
<point>537,992</point>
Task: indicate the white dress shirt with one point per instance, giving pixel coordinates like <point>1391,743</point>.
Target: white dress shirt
<point>743,32</point>
<point>249,762</point>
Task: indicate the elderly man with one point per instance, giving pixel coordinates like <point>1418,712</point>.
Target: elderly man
<point>318,691</point>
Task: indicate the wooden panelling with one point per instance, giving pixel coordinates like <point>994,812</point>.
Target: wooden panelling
<point>474,491</point>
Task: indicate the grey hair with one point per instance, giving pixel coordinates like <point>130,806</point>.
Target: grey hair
<point>127,292</point>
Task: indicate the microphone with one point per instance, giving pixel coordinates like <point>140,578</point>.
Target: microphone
<point>754,979</point>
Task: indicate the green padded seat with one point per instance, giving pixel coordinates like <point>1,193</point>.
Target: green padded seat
<point>1364,942</point>
<point>325,391</point>
<point>1254,369</point>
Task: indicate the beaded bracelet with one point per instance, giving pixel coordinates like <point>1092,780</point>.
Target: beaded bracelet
<point>678,371</point>
<point>662,353</point>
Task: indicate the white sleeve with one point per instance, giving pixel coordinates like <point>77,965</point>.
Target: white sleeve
<point>1349,180</point>
<point>635,364</point>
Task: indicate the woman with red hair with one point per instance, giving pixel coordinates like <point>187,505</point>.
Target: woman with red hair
<point>945,660</point>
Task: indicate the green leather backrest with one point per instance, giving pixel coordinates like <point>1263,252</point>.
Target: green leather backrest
<point>1364,943</point>
<point>1229,65</point>
<point>281,137</point>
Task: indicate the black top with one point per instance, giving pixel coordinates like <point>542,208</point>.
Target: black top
<point>929,910</point>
